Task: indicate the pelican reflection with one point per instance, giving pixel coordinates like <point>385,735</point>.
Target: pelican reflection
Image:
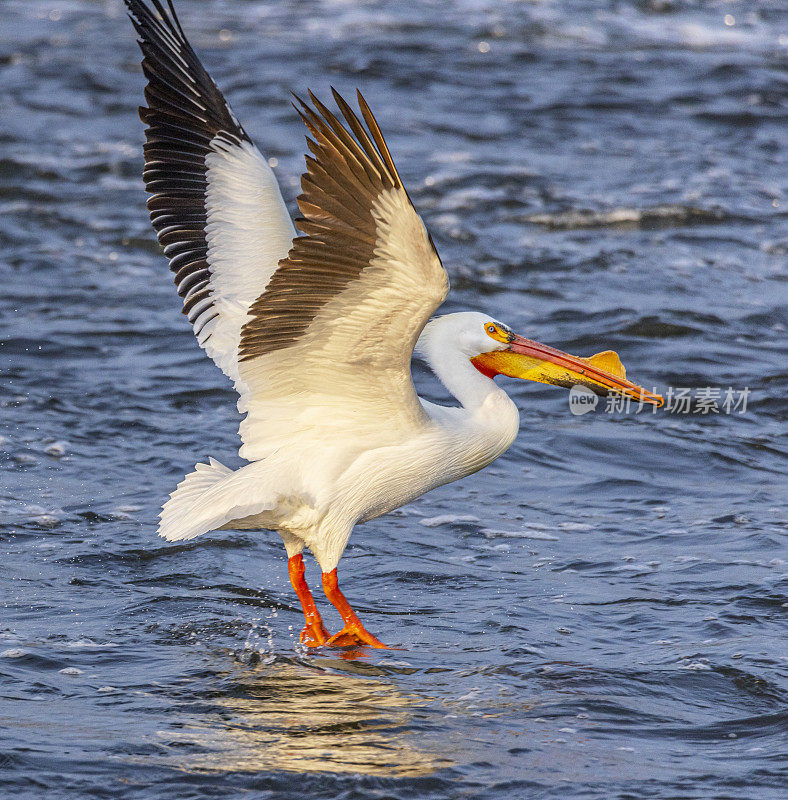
<point>287,716</point>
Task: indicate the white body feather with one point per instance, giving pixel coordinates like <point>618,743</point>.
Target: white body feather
<point>317,490</point>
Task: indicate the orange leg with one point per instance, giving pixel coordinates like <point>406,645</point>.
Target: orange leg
<point>314,633</point>
<point>354,633</point>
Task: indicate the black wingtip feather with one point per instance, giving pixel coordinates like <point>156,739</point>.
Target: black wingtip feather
<point>185,112</point>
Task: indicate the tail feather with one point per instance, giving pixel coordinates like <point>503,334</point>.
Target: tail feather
<point>213,496</point>
<point>181,514</point>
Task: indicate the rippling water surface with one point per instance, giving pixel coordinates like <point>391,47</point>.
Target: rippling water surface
<point>600,613</point>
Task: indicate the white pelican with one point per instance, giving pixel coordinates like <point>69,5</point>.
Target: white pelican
<point>317,330</point>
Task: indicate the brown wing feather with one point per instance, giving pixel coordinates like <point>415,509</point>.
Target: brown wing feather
<point>350,170</point>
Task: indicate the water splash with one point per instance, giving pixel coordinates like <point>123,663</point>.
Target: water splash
<point>259,644</point>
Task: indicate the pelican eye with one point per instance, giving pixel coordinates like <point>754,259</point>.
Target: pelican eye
<point>497,332</point>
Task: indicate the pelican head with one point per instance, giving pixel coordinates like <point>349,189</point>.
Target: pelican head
<point>495,349</point>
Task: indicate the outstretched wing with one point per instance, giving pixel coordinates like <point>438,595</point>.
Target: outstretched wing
<point>215,203</point>
<point>317,331</point>
<point>326,352</point>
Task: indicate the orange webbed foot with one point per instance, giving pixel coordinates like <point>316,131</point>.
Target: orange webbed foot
<point>314,634</point>
<point>353,636</point>
<point>354,633</point>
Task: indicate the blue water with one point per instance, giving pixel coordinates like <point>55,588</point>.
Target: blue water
<point>601,613</point>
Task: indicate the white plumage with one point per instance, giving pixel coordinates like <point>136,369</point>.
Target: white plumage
<point>317,330</point>
<point>249,231</point>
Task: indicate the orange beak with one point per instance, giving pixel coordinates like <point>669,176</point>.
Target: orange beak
<point>526,359</point>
